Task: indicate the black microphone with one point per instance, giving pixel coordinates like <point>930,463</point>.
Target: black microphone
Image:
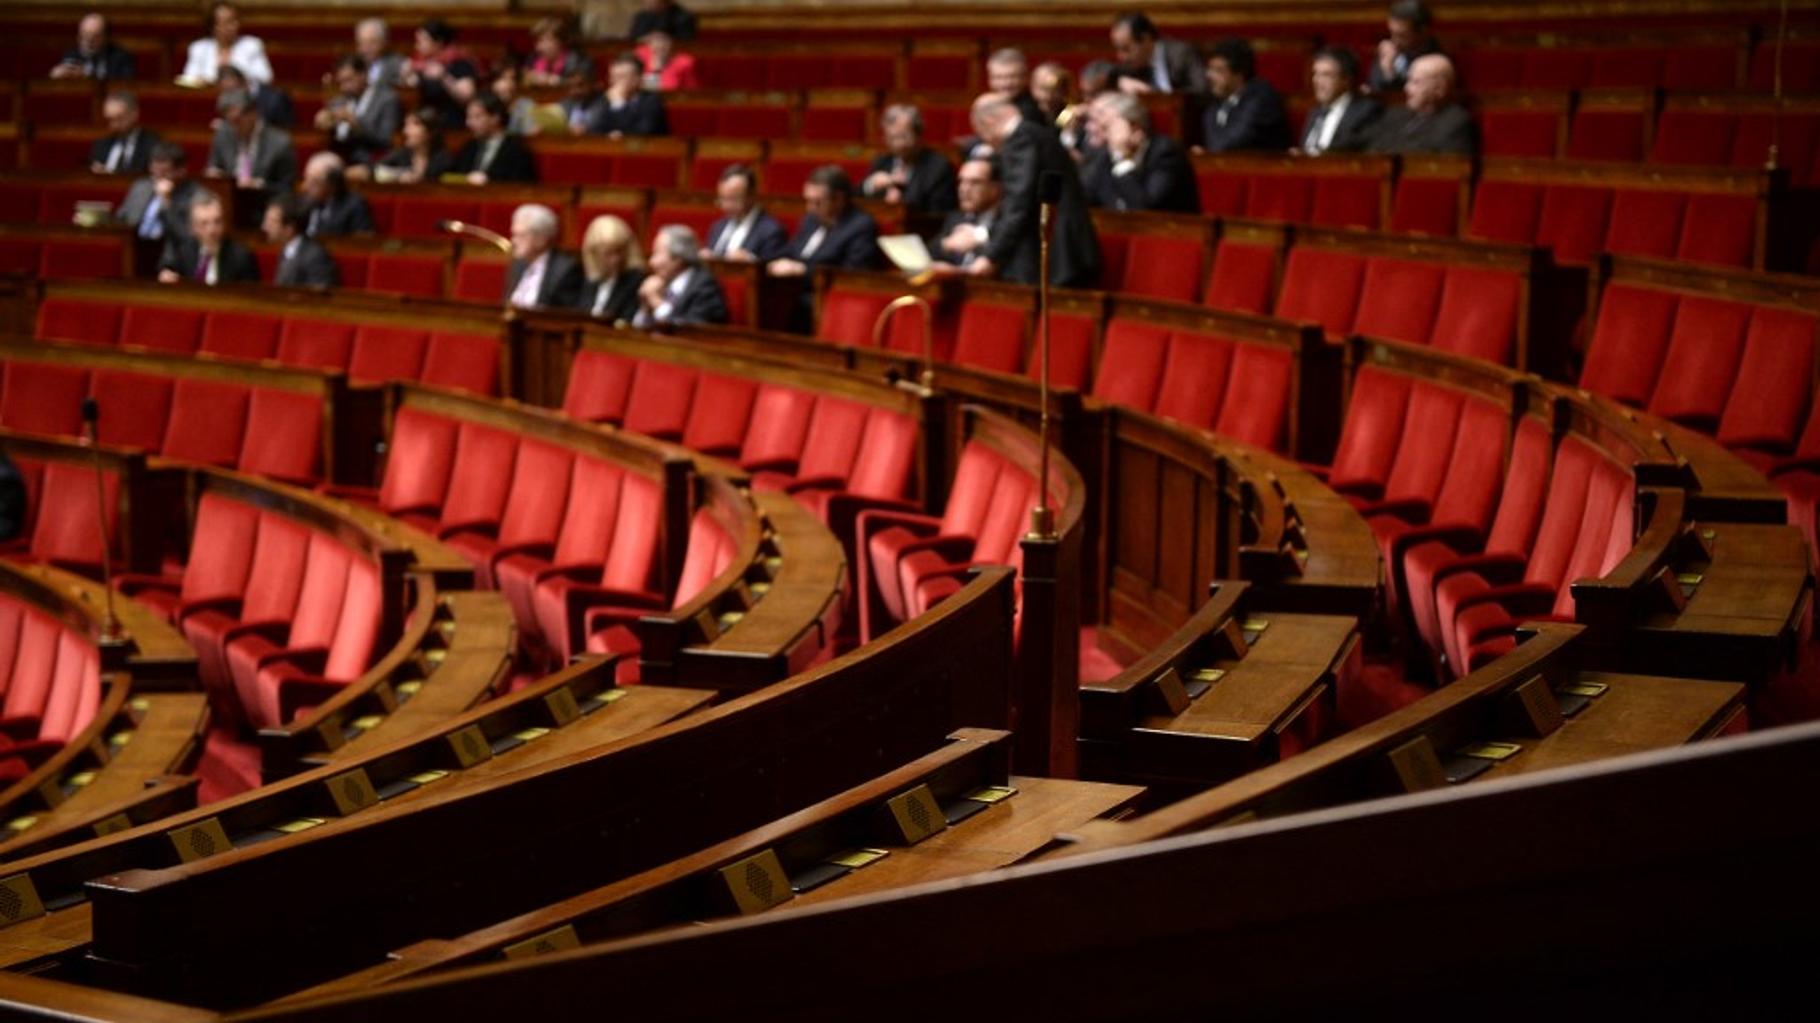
<point>445,224</point>
<point>1049,188</point>
<point>91,411</point>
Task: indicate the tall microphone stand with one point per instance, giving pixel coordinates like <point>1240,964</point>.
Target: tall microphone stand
<point>493,238</point>
<point>91,417</point>
<point>1042,517</point>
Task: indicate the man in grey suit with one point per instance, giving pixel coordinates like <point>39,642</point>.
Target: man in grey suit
<point>248,151</point>
<point>679,290</point>
<point>157,206</point>
<point>1149,63</point>
<point>372,42</point>
<point>302,261</point>
<point>362,117</point>
<point>1431,120</point>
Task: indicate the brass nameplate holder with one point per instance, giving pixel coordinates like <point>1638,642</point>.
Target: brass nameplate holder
<point>854,859</point>
<point>469,746</point>
<point>199,841</point>
<point>426,777</point>
<point>757,882</point>
<point>1491,750</point>
<point>916,814</point>
<point>330,734</point>
<point>301,824</point>
<point>367,722</point>
<point>113,825</point>
<point>1590,690</point>
<point>1172,693</point>
<point>352,792</point>
<point>1416,765</point>
<point>563,708</point>
<point>19,900</point>
<point>991,794</point>
<point>1532,710</point>
<point>1227,643</point>
<point>559,940</point>
<point>708,623</point>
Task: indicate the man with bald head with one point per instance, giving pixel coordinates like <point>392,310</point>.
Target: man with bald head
<point>1431,120</point>
<point>1027,152</point>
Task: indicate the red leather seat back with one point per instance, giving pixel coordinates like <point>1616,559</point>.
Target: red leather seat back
<point>12,619</point>
<point>1159,267</point>
<point>79,320</point>
<point>420,457</point>
<point>319,598</point>
<point>134,408</point>
<point>1520,132</point>
<point>1603,497</point>
<point>1645,223</point>
<point>780,422</point>
<point>1773,390</point>
<point>1280,197</point>
<point>240,335</point>
<point>1321,287</point>
<point>1628,342</point>
<point>34,666</point>
<point>40,397</point>
<point>316,344</point>
<point>1426,206</point>
<point>710,552</point>
<point>588,521</point>
<point>1346,201</point>
<point>1469,485</point>
<point>275,577</point>
<point>468,362</point>
<point>1373,429</point>
<point>600,385</point>
<point>1071,343</point>
<point>208,420</point>
<point>847,316</point>
<point>1525,489</point>
<point>381,353</point>
<point>662,394</point>
<point>975,480</point>
<point>478,483</point>
<point>887,456</point>
<point>992,336</point>
<point>166,329</point>
<point>1615,134</point>
<point>832,443</point>
<point>539,494</point>
<point>1256,406</point>
<point>1194,379</point>
<point>1704,350</point>
<point>1131,365</point>
<point>1505,211</point>
<point>1243,278</point>
<point>1430,421</point>
<point>1574,222</point>
<point>719,414</point>
<point>75,688</point>
<point>1719,229</point>
<point>1398,300</point>
<point>66,530</point>
<point>401,273</point>
<point>1007,517</point>
<point>632,555</point>
<point>1693,137</point>
<point>221,553</point>
<point>1478,314</point>
<point>357,627</point>
<point>1562,512</point>
<point>283,435</point>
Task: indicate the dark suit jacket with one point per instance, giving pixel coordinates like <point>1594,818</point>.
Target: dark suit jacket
<point>1381,82</point>
<point>952,221</point>
<point>439,163</point>
<point>852,242</point>
<point>310,267</point>
<point>1074,253</point>
<point>931,185</point>
<point>1026,105</point>
<point>643,114</point>
<point>622,302</point>
<point>175,214</point>
<point>1357,122</point>
<point>1255,121</point>
<point>562,281</point>
<point>372,130</point>
<point>274,158</point>
<point>512,162</point>
<point>1187,71</point>
<point>182,254</point>
<point>766,241</point>
<point>1162,180</point>
<point>1447,130</point>
<point>348,214</point>
<point>702,300</point>
<point>275,107</point>
<point>112,64</point>
<point>136,161</point>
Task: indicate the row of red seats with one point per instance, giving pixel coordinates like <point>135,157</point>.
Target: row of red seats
<point>60,526</point>
<point>50,676</point>
<point>262,430</point>
<point>555,531</point>
<point>367,352</point>
<point>277,611</point>
<point>99,257</point>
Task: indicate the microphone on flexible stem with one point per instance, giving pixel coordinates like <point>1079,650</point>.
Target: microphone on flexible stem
<point>1048,193</point>
<point>91,420</point>
<point>493,238</point>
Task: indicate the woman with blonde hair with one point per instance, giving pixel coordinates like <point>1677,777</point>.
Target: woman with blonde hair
<point>615,266</point>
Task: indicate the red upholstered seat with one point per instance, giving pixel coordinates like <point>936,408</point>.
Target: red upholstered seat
<point>886,459</point>
<point>468,362</point>
<point>1282,197</point>
<point>1704,350</point>
<point>1573,222</point>
<point>65,532</point>
<point>1520,132</point>
<point>719,414</point>
<point>832,441</point>
<point>1629,340</point>
<point>1243,278</point>
<point>75,692</point>
<point>1194,379</point>
<point>1071,343</point>
<point>847,316</point>
<point>887,538</point>
<point>1398,300</point>
<point>1158,267</point>
<point>380,354</point>
<point>1773,390</point>
<point>1607,134</point>
<point>34,666</point>
<point>1321,287</point>
<point>1645,223</point>
<point>582,540</point>
<point>218,564</point>
<point>535,503</point>
<point>1719,229</point>
<point>167,329</point>
<point>779,425</point>
<point>479,280</point>
<point>283,437</point>
<point>1426,206</point>
<point>134,408</point>
<point>609,628</point>
<point>1694,137</point>
<point>311,628</point>
<point>80,320</point>
<point>1222,193</point>
<point>563,594</point>
<point>1371,432</point>
<point>600,385</point>
<point>1131,365</point>
<point>1346,201</point>
<point>419,460</point>
<point>418,216</point>
<point>317,344</point>
<point>208,422</point>
<point>12,619</point>
<point>1479,313</point>
<point>661,395</point>
<point>82,259</point>
<point>1256,406</point>
<point>41,397</point>
<point>1431,420</point>
<point>406,273</point>
<point>1505,211</point>
<point>1468,481</point>
<point>479,481</point>
<point>240,335</point>
<point>992,336</point>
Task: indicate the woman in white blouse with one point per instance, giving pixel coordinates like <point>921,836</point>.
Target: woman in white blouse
<point>225,45</point>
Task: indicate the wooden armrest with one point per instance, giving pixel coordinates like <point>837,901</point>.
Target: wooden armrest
<point>302,693</point>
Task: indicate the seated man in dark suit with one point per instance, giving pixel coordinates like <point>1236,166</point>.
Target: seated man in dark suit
<point>1138,170</point>
<point>629,109</point>
<point>679,289</point>
<point>302,261</point>
<point>157,206</point>
<point>492,154</point>
<point>273,104</point>
<point>745,233</point>
<point>909,172</point>
<point>206,254</point>
<point>1342,119</point>
<point>333,210</point>
<point>248,151</point>
<point>95,54</point>
<point>127,147</point>
<point>1028,153</point>
<point>1246,113</point>
<point>614,266</point>
<point>540,276</point>
<point>834,231</point>
<point>1407,38</point>
<point>1431,120</point>
<point>965,233</point>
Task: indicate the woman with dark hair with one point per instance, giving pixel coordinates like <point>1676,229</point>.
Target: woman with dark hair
<point>222,45</point>
<point>554,53</point>
<point>443,75</point>
<point>420,154</point>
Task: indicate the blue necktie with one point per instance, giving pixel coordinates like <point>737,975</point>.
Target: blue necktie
<point>151,225</point>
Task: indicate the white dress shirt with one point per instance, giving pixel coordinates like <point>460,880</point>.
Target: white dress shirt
<point>667,308</point>
<point>247,54</point>
<point>1159,68</point>
<point>1330,123</point>
<point>525,295</point>
<point>735,235</point>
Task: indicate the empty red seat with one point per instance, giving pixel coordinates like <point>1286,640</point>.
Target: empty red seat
<point>534,508</point>
<point>1704,350</point>
<point>283,436</point>
<point>75,692</point>
<point>609,629</point>
<point>661,396</point>
<point>1071,343</point>
<point>1772,392</point>
<point>1426,205</point>
<point>1720,229</point>
<point>406,273</point>
<point>992,336</point>
<point>420,455</point>
<point>34,667</point>
<point>1243,278</point>
<point>208,422</point>
<point>380,353</point>
<point>847,316</point>
<point>1194,379</point>
<point>719,414</point>
<point>221,554</point>
<point>1506,211</point>
<point>1347,201</point>
<point>167,329</point>
<point>1573,222</point>
<point>1371,432</point>
<point>479,479</point>
<point>134,408</point>
<point>1281,197</point>
<point>250,648</point>
<point>1479,313</point>
<point>1646,223</point>
<point>582,540</point>
<point>830,445</point>
<point>1521,131</point>
<point>1258,397</point>
<point>82,259</point>
<point>779,425</point>
<point>1323,287</point>
<point>479,280</point>
<point>65,319</point>
<point>599,387</point>
<point>240,335</point>
<point>623,578</point>
<point>316,344</point>
<point>1398,299</point>
<point>66,531</point>
<point>464,361</point>
<point>1131,364</point>
<point>1629,339</point>
<point>40,397</point>
<point>1160,267</point>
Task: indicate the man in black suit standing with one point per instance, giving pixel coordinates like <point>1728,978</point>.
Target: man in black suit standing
<point>540,276</point>
<point>1408,38</point>
<point>95,54</point>
<point>628,108</point>
<point>1430,121</point>
<point>834,231</point>
<point>679,290</point>
<point>127,147</point>
<point>157,206</point>
<point>1149,63</point>
<point>967,230</point>
<point>302,261</point>
<point>1138,170</point>
<point>1342,120</point>
<point>909,172</point>
<point>333,209</point>
<point>1246,113</point>
<point>492,154</point>
<point>745,233</point>
<point>206,255</point>
<point>1027,152</point>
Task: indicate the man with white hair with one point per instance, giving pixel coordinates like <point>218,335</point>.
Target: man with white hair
<point>1430,120</point>
<point>539,275</point>
<point>1008,74</point>
<point>95,55</point>
<point>1028,154</point>
<point>333,209</point>
<point>679,289</point>
<point>373,44</point>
